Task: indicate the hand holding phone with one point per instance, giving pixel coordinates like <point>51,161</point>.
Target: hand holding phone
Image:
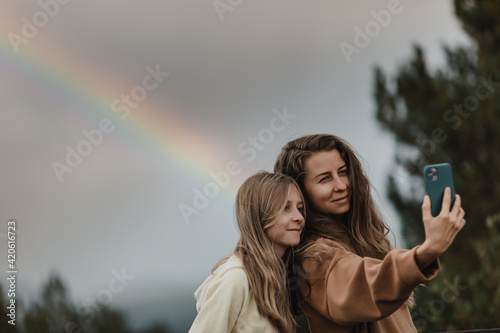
<point>440,231</point>
<point>437,178</point>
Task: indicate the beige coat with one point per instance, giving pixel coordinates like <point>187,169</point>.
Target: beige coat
<point>353,294</point>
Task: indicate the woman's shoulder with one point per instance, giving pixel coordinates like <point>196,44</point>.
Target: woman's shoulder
<point>322,250</point>
<point>324,243</point>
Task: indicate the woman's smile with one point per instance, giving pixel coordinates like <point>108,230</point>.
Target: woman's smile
<point>341,200</point>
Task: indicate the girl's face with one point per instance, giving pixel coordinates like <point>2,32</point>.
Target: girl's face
<point>285,232</point>
<point>327,182</point>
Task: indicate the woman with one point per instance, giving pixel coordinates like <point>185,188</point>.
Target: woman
<point>247,290</point>
<point>350,278</point>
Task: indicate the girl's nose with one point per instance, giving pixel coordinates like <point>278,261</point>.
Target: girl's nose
<point>298,217</point>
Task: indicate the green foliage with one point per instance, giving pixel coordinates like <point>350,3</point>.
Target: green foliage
<point>458,299</point>
<point>55,313</point>
<point>156,328</point>
<point>109,320</point>
<point>451,114</point>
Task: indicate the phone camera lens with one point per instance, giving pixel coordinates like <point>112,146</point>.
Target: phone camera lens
<point>433,174</point>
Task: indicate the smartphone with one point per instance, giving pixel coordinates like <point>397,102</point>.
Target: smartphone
<point>437,178</point>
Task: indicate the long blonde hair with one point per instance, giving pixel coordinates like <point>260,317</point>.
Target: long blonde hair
<point>259,203</point>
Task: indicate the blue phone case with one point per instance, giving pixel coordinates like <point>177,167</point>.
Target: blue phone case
<point>437,178</point>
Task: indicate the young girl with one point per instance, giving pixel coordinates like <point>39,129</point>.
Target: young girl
<point>351,280</point>
<point>247,290</point>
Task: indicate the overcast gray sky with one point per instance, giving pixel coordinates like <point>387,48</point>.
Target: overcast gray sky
<point>115,113</point>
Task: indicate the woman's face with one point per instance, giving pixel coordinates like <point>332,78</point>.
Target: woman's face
<point>327,182</point>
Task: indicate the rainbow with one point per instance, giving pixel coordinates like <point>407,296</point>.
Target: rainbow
<point>46,68</point>
<point>49,70</point>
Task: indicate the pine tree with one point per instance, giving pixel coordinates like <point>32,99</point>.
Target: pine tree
<point>450,115</point>
<point>54,313</point>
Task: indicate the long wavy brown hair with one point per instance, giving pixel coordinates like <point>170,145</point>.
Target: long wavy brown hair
<point>259,203</point>
<point>362,229</point>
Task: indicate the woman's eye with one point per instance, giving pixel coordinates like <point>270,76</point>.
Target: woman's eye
<point>323,179</point>
<point>343,172</point>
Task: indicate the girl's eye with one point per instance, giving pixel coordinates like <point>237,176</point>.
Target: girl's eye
<point>343,172</point>
<point>286,208</point>
<point>300,209</point>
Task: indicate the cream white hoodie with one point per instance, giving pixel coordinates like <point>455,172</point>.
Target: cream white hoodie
<point>226,304</point>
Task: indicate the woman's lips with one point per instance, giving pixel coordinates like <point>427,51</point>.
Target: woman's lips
<point>341,200</point>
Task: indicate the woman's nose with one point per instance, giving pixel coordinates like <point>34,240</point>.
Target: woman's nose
<point>338,184</point>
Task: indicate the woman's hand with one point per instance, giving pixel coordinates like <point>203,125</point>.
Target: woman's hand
<point>440,231</point>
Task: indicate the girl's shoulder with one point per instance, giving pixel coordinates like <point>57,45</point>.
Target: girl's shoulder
<point>228,278</point>
<point>232,262</point>
<point>231,271</point>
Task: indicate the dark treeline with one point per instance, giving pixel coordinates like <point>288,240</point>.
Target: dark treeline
<point>54,312</point>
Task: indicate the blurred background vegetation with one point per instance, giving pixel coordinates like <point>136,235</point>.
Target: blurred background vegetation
<point>451,114</point>
<point>54,312</point>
